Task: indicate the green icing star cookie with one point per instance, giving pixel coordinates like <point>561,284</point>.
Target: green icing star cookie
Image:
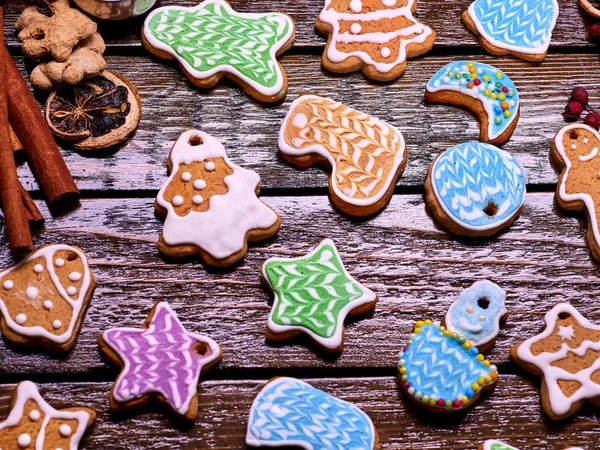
<point>211,40</point>
<point>314,294</point>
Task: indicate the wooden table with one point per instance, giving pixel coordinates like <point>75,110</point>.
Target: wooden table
<point>416,268</point>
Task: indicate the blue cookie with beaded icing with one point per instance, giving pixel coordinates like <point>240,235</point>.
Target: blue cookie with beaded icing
<point>475,189</point>
<point>441,370</point>
<point>483,89</point>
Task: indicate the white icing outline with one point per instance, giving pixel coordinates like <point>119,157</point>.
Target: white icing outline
<point>252,441</point>
<point>515,48</point>
<point>451,215</point>
<point>559,403</point>
<point>333,18</point>
<point>221,230</point>
<point>26,391</point>
<point>277,17</point>
<point>591,155</point>
<point>287,149</point>
<point>38,331</point>
<point>335,341</point>
<point>192,385</point>
<point>562,190</point>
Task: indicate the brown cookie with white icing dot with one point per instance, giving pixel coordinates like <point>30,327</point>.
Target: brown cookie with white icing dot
<point>43,298</point>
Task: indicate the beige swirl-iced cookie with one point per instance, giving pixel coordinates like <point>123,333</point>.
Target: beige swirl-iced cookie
<point>44,297</point>
<point>366,154</point>
<point>375,36</point>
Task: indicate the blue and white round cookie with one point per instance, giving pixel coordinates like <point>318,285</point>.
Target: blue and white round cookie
<point>475,189</point>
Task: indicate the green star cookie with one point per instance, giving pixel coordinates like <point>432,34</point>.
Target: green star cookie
<point>211,40</point>
<point>314,294</point>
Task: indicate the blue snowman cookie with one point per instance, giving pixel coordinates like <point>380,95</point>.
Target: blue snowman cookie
<point>477,313</point>
<point>475,189</point>
<point>488,92</point>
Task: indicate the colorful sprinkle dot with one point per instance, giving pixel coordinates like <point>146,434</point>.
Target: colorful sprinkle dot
<point>441,402</point>
<point>504,105</point>
<point>493,95</point>
<point>470,85</point>
<point>499,75</point>
<point>507,113</point>
<point>457,76</point>
<point>511,93</point>
<point>467,346</point>
<point>457,403</point>
<point>480,357</point>
<point>477,82</point>
<point>473,75</point>
<point>498,85</point>
<point>505,89</point>
<point>475,387</point>
<point>486,78</point>
<point>486,93</point>
<point>498,120</point>
<point>465,400</point>
<point>501,96</point>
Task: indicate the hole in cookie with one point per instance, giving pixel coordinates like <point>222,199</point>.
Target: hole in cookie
<point>490,209</point>
<point>39,35</point>
<point>483,303</point>
<point>564,315</point>
<point>195,140</point>
<point>201,348</point>
<point>573,134</point>
<point>71,256</point>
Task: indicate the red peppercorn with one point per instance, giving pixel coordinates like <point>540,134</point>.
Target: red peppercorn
<point>593,119</point>
<point>505,89</point>
<point>579,95</point>
<point>595,32</point>
<point>573,110</point>
<point>477,82</point>
<point>441,402</point>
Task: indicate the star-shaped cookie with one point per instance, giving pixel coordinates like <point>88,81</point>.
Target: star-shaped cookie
<point>313,294</point>
<point>211,41</point>
<point>162,360</point>
<point>567,357</point>
<point>34,424</point>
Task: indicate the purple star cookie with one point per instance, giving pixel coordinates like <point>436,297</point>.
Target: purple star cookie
<point>160,360</point>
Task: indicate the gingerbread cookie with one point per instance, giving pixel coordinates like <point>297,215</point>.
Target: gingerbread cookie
<point>211,41</point>
<point>441,370</point>
<point>486,91</point>
<point>475,189</point>
<point>161,360</point>
<point>375,36</point>
<point>566,355</point>
<point>518,27</point>
<point>313,294</point>
<point>366,154</point>
<point>575,151</point>
<point>44,298</point>
<point>289,412</point>
<point>209,204</point>
<point>34,424</point>
<point>477,313</point>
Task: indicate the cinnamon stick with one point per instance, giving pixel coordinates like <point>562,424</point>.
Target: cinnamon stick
<point>34,216</point>
<point>14,140</point>
<point>32,130</point>
<point>17,225</point>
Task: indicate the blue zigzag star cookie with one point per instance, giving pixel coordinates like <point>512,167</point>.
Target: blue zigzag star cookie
<point>291,413</point>
<point>441,370</point>
<point>519,27</point>
<point>488,92</point>
<point>475,189</point>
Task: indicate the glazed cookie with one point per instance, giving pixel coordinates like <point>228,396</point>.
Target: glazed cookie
<point>44,298</point>
<point>375,36</point>
<point>366,154</point>
<point>475,189</point>
<point>209,204</point>
<point>313,294</point>
<point>486,91</point>
<point>289,412</point>
<point>161,360</point>
<point>211,41</point>
<point>442,371</point>
<point>34,424</point>
<point>566,355</point>
<point>575,151</point>
<point>518,27</point>
<point>477,313</point>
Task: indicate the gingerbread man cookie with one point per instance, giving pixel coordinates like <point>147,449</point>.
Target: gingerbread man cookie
<point>44,297</point>
<point>211,41</point>
<point>34,424</point>
<point>518,27</point>
<point>566,355</point>
<point>210,205</point>
<point>575,150</point>
<point>289,412</point>
<point>366,154</point>
<point>375,36</point>
<point>162,360</point>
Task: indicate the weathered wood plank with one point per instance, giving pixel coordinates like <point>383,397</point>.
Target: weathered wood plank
<point>416,269</point>
<point>511,412</point>
<point>249,130</point>
<point>443,16</point>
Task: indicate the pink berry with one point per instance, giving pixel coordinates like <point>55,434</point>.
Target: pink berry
<point>593,119</point>
<point>580,95</point>
<point>574,109</point>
